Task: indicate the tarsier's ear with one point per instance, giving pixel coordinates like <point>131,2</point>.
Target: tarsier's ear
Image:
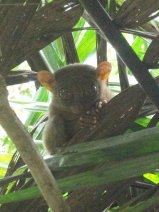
<point>46,79</point>
<point>103,70</point>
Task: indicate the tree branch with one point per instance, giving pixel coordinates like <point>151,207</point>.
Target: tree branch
<point>29,153</point>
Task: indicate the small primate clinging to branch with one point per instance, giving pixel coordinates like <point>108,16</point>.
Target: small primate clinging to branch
<point>79,92</point>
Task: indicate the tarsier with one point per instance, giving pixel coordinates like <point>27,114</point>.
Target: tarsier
<point>79,92</point>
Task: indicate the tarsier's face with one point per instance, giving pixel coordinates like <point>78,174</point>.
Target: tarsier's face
<point>77,88</point>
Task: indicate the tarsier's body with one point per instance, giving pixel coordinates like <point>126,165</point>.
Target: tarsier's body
<point>78,91</point>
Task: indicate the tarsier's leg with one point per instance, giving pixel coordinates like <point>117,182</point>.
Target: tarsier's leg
<point>54,133</point>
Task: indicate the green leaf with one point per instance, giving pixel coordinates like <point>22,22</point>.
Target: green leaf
<point>87,45</point>
<point>79,34</point>
<point>139,46</point>
<point>144,121</point>
<point>54,54</point>
<point>41,96</point>
<point>25,194</point>
<point>152,177</point>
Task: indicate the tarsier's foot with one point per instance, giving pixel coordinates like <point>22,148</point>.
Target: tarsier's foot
<point>92,118</point>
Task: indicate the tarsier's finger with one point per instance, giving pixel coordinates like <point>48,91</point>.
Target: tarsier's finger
<point>98,109</point>
<point>100,104</point>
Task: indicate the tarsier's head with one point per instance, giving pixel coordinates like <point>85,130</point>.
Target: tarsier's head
<point>76,88</point>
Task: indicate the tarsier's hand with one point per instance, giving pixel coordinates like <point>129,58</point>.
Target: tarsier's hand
<point>92,118</point>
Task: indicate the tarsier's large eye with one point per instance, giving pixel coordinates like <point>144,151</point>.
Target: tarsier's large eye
<point>65,94</point>
<point>92,90</point>
<point>95,88</point>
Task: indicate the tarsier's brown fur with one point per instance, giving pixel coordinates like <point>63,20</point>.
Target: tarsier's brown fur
<point>79,91</point>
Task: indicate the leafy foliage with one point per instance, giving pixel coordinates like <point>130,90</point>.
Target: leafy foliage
<point>36,106</point>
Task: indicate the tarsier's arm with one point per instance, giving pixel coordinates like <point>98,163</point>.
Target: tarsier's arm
<point>54,133</point>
